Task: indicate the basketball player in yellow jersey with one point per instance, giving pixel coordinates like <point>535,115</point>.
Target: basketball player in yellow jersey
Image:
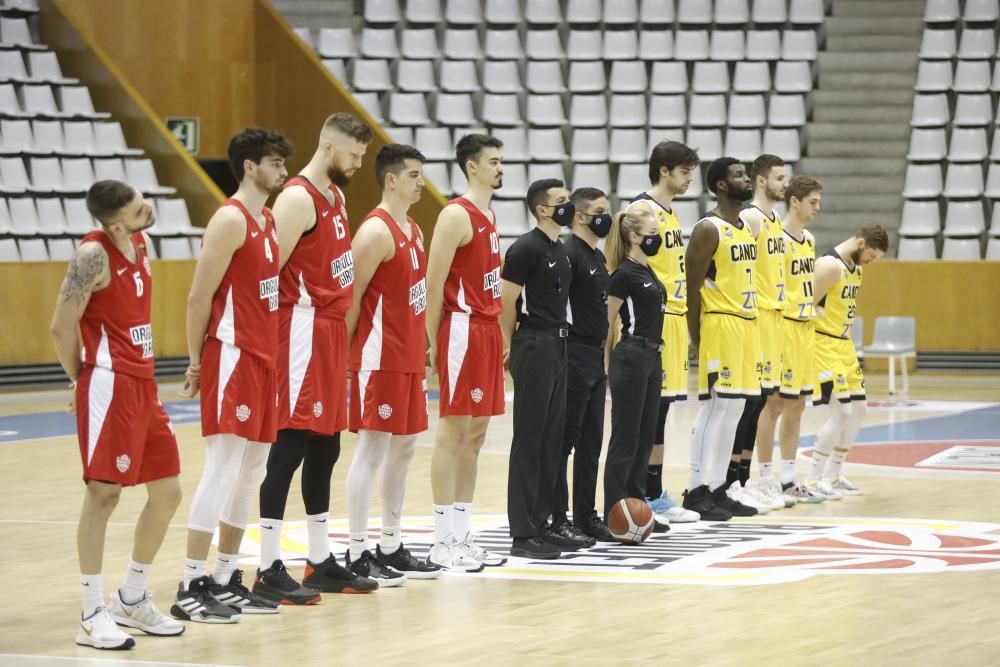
<point>722,309</point>
<point>839,380</point>
<point>802,197</point>
<point>671,167</point>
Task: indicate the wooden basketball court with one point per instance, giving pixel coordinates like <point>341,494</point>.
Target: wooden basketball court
<point>906,575</point>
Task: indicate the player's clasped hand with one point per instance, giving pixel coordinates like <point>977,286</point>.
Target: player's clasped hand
<point>192,381</point>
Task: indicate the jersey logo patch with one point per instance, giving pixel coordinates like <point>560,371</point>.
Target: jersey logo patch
<point>123,462</point>
<point>477,395</point>
<point>385,411</point>
<point>145,265</point>
<point>317,409</point>
<point>243,412</point>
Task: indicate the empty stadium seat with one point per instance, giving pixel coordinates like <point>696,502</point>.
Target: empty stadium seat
<point>628,111</point>
<point>708,143</point>
<point>511,217</point>
<point>744,145</point>
<point>545,76</point>
<point>588,111</point>
<point>371,75</point>
<point>806,12</point>
<point>502,12</point>
<point>930,110</point>
<point>337,43</point>
<point>656,45</point>
<point>628,76</point>
<point>632,180</point>
<point>24,217</point>
<point>793,77</point>
<point>963,180</point>
<point>379,43</point>
<point>503,44</point>
<point>769,11</point>
<point>435,143</point>
<point>437,174</point>
<point>657,12</point>
<point>502,110</point>
<point>916,249</point>
<point>591,145</point>
<point>546,144</point>
<point>417,76</point>
<point>973,110</point>
<point>408,109</point>
<point>501,76</point>
<point>798,45</point>
<point>786,111</point>
<point>938,44</point>
<point>731,12</point>
<point>515,143</point>
<point>591,175</point>
<point>620,12</point>
<point>33,250</point>
<point>462,12</point>
<point>667,111</point>
<point>140,173</point>
<point>941,11</point>
<point>922,181</point>
<point>707,111</point>
<point>752,77</point>
<point>992,189</point>
<point>934,76</point>
<point>626,145</point>
<point>785,143</point>
<point>746,111</point>
<point>964,218</point>
<point>462,44</point>
<point>763,45</point>
<point>9,251</point>
<point>453,109</point>
<point>967,145</point>
<point>175,248</point>
<point>668,77</point>
<point>927,145</point>
<point>992,249</point>
<point>542,12</point>
<point>618,45</point>
<point>976,43</point>
<point>691,45</point>
<point>545,44</point>
<point>920,218</point>
<point>972,76</point>
<point>515,182</point>
<point>727,45</point>
<point>961,249</point>
<point>61,250</point>
<point>710,77</point>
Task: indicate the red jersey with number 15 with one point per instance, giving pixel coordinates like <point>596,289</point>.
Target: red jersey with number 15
<point>473,283</point>
<point>245,306</point>
<point>320,270</point>
<point>115,325</point>
<point>390,335</point>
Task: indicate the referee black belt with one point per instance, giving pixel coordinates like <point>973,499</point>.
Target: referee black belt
<point>592,341</point>
<point>558,332</point>
<point>652,343</point>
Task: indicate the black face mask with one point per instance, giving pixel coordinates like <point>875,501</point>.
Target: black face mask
<point>600,224</point>
<point>562,214</point>
<point>650,244</point>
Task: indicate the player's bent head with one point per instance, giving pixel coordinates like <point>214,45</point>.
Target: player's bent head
<point>802,195</point>
<point>669,155</point>
<point>874,243</point>
<point>251,147</point>
<point>732,175</point>
<point>544,194</point>
<point>478,150</point>
<point>768,172</point>
<point>118,205</point>
<point>397,166</point>
<point>347,125</point>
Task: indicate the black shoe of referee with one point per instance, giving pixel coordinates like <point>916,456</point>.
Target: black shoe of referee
<point>700,500</point>
<point>565,536</point>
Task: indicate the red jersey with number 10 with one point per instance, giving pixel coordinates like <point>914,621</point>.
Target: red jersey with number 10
<point>390,335</point>
<point>320,270</point>
<point>115,325</point>
<point>245,306</point>
<point>473,283</point>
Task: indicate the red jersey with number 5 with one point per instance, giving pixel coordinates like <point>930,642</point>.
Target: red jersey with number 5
<point>320,270</point>
<point>245,306</point>
<point>390,335</point>
<point>473,283</point>
<point>115,325</point>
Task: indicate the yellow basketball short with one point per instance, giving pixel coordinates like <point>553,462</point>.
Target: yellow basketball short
<point>772,339</point>
<point>729,357</point>
<point>675,357</point>
<point>798,358</point>
<point>838,372</point>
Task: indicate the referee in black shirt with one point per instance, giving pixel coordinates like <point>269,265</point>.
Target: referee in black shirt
<point>536,278</point>
<point>636,296</point>
<point>586,379</point>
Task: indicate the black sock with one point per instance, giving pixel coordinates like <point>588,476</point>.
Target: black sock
<point>744,471</point>
<point>654,480</point>
<point>732,472</point>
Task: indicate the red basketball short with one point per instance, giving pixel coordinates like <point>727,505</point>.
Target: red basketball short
<point>238,394</point>
<point>470,366</point>
<point>312,371</point>
<point>389,402</point>
<point>124,432</point>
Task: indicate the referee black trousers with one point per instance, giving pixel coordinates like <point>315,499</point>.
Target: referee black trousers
<point>586,388</point>
<point>634,375</point>
<point>538,367</point>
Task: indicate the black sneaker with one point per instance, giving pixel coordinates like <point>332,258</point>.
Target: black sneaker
<point>401,560</point>
<point>236,595</point>
<point>367,566</point>
<point>566,537</point>
<point>276,585</point>
<point>331,577</point>
<point>700,500</point>
<point>721,499</point>
<point>534,548</point>
<point>659,527</point>
<point>597,529</point>
<point>197,604</point>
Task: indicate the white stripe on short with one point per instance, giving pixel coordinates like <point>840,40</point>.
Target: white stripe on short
<point>300,346</point>
<point>458,345</point>
<point>228,358</point>
<point>99,394</point>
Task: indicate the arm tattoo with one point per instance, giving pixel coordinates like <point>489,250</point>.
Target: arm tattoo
<point>84,270</point>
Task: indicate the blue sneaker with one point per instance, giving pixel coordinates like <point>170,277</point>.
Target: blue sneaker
<point>659,505</point>
<point>666,510</point>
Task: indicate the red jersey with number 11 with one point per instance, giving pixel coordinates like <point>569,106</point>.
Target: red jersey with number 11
<point>473,282</point>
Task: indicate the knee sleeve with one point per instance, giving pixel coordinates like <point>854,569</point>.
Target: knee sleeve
<point>223,459</point>
<point>322,454</point>
<point>251,475</point>
<point>853,423</point>
<point>282,461</point>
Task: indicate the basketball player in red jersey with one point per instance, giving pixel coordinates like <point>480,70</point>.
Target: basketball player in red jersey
<point>315,289</point>
<point>388,388</point>
<point>466,348</point>
<point>232,334</point>
<point>125,435</point>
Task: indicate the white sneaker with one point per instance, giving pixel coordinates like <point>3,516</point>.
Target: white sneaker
<point>469,548</point>
<point>824,488</point>
<point>751,498</point>
<point>678,514</point>
<point>99,630</point>
<point>143,615</point>
<point>451,558</point>
<point>768,493</point>
<point>804,495</point>
<point>845,486</point>
<point>775,491</point>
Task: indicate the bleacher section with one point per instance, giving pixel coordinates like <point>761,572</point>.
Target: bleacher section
<point>54,145</point>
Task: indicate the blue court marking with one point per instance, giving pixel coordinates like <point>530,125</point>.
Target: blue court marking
<point>980,424</point>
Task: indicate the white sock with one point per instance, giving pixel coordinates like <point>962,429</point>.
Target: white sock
<point>319,537</point>
<point>461,520</point>
<point>390,539</point>
<point>701,439</point>
<point>359,544</point>
<point>724,435</point>
<point>836,461</point>
<point>270,542</point>
<point>368,456</point>
<point>442,523</point>
<point>766,470</point>
<point>817,465</point>
<point>225,565</point>
<point>194,569</point>
<point>787,472</point>
<point>92,593</point>
<point>136,578</point>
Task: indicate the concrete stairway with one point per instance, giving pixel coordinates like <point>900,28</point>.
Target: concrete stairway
<point>859,132</point>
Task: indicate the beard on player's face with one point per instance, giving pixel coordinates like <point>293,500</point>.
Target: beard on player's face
<point>337,176</point>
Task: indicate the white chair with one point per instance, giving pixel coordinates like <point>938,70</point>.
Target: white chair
<point>763,45</point>
<point>400,135</point>
<point>13,176</point>
<point>418,44</point>
<point>668,77</point>
<point>546,145</point>
<point>920,219</point>
<point>108,137</point>
<point>370,102</point>
<point>511,216</point>
<point>435,143</point>
<point>769,11</point>
<point>941,11</point>
<point>973,110</point>
<point>667,111</point>
<point>77,174</point>
<point>992,189</point>
<point>746,111</point>
<point>51,217</point>
<point>632,180</point>
<point>463,12</point>
<point>140,173</point>
<point>744,145</point>
<point>454,109</point>
<point>408,109</point>
<point>995,223</point>
<point>305,34</point>
<point>40,101</point>
<point>694,12</point>
<point>9,251</point>
<point>417,76</point>
<point>620,45</point>
<point>15,32</point>
<point>24,217</point>
<point>968,145</point>
<point>540,170</point>
<point>379,43</point>
<point>786,110</point>
<point>503,44</point>
<point>993,249</point>
<point>546,76</point>
<point>544,44</point>
<point>502,110</point>
<point>732,12</point>
<point>930,110</point>
<point>752,77</point>
<point>798,45</point>
<point>691,44</point>
<point>962,250</point>
<point>785,143</point>
<point>927,145</point>
<point>338,69</point>
<point>587,76</point>
<point>174,214</point>
<point>10,106</point>
<point>61,250</point>
<point>76,101</point>
<point>44,66</point>
<point>628,76</point>
<point>78,218</point>
<point>628,111</point>
<point>33,250</point>
<point>626,145</point>
<point>793,77</point>
<point>964,218</point>
<point>371,75</point>
<point>437,174</point>
<point>922,181</point>
<point>981,11</point>
<point>972,76</point>
<point>583,12</point>
<point>592,175</point>
<point>515,143</point>
<point>938,44</point>
<point>422,11</point>
<point>963,180</point>
<point>707,111</point>
<point>656,12</point>
<point>806,12</point>
<point>917,249</point>
<point>503,12</point>
<point>5,223</point>
<point>934,76</point>
<point>976,43</point>
<point>727,45</point>
<point>656,45</point>
<point>46,175</point>
<point>895,338</point>
<point>710,77</point>
<point>590,145</point>
<point>16,137</point>
<point>546,110</point>
<point>708,143</point>
<point>337,43</point>
<point>584,44</point>
<point>995,85</point>
<point>109,169</point>
<point>384,11</point>
<point>588,111</point>
<point>175,248</point>
<point>501,76</point>
<point>462,44</point>
<point>620,12</point>
<point>12,67</point>
<point>515,182</point>
<point>542,12</point>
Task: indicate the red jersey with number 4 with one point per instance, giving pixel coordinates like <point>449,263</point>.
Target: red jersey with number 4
<point>390,335</point>
<point>245,306</point>
<point>320,270</point>
<point>115,325</point>
<point>473,283</point>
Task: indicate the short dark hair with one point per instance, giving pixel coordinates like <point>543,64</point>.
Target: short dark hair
<point>471,145</point>
<point>717,172</point>
<point>254,144</point>
<point>582,196</point>
<point>875,237</point>
<point>349,124</point>
<point>800,187</point>
<point>106,198</point>
<point>538,191</point>
<point>670,154</point>
<point>392,158</point>
<point>763,165</point>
